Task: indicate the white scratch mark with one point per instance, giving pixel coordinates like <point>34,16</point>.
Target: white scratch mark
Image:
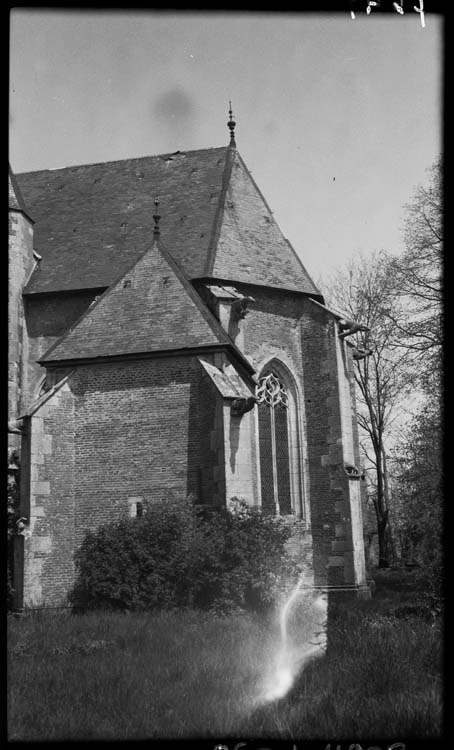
<point>420,10</point>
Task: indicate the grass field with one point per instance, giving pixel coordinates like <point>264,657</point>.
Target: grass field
<point>188,674</point>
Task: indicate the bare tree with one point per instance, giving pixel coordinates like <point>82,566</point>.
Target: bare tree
<point>399,298</point>
<point>417,277</point>
<point>364,293</point>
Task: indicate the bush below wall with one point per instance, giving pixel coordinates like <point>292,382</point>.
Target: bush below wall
<point>182,555</point>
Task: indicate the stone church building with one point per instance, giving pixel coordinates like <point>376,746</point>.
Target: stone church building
<point>177,347</point>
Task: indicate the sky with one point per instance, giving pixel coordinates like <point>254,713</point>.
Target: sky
<point>337,119</point>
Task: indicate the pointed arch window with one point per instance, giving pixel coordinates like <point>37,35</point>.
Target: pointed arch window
<point>279,464</point>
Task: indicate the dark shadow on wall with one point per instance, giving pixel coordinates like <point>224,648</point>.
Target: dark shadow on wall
<point>234,438</point>
<point>205,473</point>
<point>198,439</point>
<point>54,314</point>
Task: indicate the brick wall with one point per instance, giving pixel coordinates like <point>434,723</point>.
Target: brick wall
<point>113,432</point>
<point>141,429</point>
<point>134,435</point>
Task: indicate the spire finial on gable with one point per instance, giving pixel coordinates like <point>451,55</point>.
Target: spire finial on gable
<point>231,125</point>
<point>156,218</point>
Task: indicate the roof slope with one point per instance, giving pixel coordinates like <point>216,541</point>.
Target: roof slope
<point>228,381</point>
<point>94,220</point>
<point>151,308</point>
<point>251,248</point>
<point>15,199</point>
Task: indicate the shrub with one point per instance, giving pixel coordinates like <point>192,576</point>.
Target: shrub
<point>182,555</point>
<point>12,507</point>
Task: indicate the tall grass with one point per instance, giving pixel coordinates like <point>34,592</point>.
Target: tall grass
<point>191,674</point>
<point>381,677</point>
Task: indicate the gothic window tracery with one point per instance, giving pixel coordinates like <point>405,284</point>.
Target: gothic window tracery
<point>274,444</point>
<point>272,391</point>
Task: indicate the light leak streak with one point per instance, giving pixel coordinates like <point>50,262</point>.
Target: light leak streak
<point>284,676</point>
<point>290,661</point>
<point>285,611</point>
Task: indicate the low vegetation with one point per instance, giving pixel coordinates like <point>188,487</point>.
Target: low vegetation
<point>183,674</point>
<point>179,554</point>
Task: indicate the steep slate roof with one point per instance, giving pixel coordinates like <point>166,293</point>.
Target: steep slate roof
<point>151,308</point>
<point>251,248</point>
<point>93,221</point>
<point>81,211</point>
<point>15,199</point>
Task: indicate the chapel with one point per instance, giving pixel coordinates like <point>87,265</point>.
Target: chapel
<point>165,339</point>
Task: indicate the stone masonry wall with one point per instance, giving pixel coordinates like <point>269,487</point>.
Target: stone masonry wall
<point>20,236</point>
<point>357,488</point>
<point>240,472</point>
<point>331,444</point>
<point>49,541</point>
<point>271,330</point>
<point>305,339</point>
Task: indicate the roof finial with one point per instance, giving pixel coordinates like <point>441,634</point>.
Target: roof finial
<point>231,125</point>
<point>156,218</point>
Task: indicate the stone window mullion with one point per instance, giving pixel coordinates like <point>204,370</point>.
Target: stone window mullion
<point>274,458</point>
<point>274,445</point>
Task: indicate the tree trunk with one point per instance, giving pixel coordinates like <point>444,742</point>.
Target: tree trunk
<point>389,531</point>
<point>382,527</point>
<point>381,509</point>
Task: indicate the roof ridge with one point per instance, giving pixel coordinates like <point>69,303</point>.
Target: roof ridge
<point>238,228</point>
<point>210,318</point>
<point>217,223</point>
<point>129,159</point>
<point>189,289</point>
<point>94,220</point>
<point>295,254</point>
